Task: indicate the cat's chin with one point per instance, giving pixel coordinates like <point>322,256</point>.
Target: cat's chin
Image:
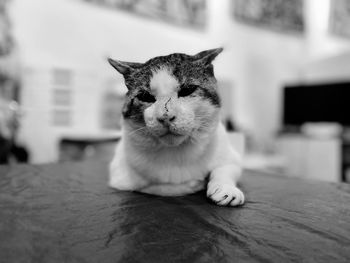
<point>172,140</point>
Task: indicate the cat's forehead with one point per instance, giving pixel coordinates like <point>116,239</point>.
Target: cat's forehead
<point>163,75</point>
<point>161,72</point>
<point>169,60</point>
<point>163,82</point>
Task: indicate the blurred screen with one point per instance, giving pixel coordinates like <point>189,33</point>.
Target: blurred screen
<point>316,103</point>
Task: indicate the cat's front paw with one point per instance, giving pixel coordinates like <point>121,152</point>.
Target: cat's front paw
<point>225,194</point>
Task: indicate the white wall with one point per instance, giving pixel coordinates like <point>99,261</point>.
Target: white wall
<point>335,68</point>
<point>66,31</point>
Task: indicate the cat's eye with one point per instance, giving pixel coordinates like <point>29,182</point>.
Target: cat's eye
<point>187,90</point>
<point>146,97</point>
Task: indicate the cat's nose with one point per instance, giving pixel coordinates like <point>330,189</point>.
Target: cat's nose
<point>166,119</point>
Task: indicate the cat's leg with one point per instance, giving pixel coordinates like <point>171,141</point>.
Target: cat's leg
<point>222,187</point>
<point>185,188</point>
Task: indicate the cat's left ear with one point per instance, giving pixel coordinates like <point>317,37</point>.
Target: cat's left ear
<point>124,67</point>
<point>207,56</point>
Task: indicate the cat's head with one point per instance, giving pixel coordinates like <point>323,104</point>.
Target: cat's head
<point>171,99</point>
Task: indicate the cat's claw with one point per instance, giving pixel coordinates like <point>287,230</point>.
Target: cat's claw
<point>225,194</point>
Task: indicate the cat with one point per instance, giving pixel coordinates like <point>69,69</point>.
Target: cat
<point>173,142</point>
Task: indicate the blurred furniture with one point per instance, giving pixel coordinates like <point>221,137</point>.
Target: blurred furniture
<point>257,162</point>
<point>5,149</point>
<point>345,166</point>
<point>314,123</point>
<point>315,103</point>
<point>311,158</point>
<point>10,150</point>
<point>9,87</point>
<point>78,147</point>
<point>262,162</point>
<point>66,213</point>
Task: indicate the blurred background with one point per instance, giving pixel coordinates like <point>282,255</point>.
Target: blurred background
<point>284,75</point>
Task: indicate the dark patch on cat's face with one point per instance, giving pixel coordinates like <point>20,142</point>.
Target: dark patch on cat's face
<point>133,108</point>
<point>203,77</point>
<point>212,96</point>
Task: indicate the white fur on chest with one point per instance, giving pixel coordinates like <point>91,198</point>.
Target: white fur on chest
<point>172,166</point>
<point>132,169</point>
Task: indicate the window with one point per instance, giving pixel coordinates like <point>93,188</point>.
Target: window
<point>61,117</point>
<point>61,97</point>
<point>62,77</point>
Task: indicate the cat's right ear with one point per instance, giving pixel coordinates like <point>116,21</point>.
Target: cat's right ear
<point>206,57</point>
<point>124,67</point>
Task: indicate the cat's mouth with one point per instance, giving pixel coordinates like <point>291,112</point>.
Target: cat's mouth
<point>170,133</point>
<point>172,139</point>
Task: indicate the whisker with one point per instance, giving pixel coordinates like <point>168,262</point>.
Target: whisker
<point>139,129</point>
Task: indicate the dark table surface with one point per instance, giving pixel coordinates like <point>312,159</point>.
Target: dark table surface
<point>66,213</point>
